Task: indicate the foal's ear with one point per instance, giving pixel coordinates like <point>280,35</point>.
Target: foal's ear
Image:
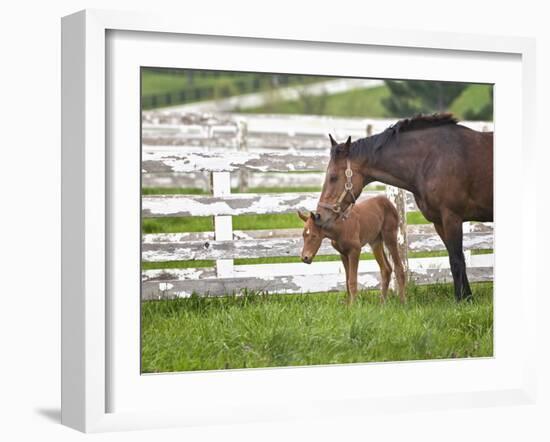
<point>303,216</point>
<point>332,141</point>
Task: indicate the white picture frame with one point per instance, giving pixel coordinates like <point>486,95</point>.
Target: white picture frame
<point>87,210</point>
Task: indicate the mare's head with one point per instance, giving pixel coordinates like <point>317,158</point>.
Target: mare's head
<point>313,236</point>
<point>343,184</point>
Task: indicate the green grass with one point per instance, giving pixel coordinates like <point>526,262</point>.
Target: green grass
<point>360,102</point>
<point>177,264</point>
<point>177,224</point>
<point>355,103</point>
<point>161,83</point>
<point>206,224</point>
<point>260,189</point>
<point>167,85</point>
<point>170,81</point>
<point>368,103</point>
<point>240,222</point>
<point>474,98</point>
<point>294,330</point>
<point>416,218</point>
<point>284,259</point>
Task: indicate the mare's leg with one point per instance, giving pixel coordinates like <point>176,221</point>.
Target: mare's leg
<point>353,262</point>
<point>344,259</point>
<point>452,237</point>
<point>390,240</point>
<point>441,232</point>
<point>385,268</point>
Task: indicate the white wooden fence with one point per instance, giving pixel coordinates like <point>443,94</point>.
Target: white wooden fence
<point>254,133</point>
<point>223,245</point>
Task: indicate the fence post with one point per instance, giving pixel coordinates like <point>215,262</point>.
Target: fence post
<point>242,145</point>
<point>369,130</point>
<point>399,199</point>
<point>223,225</point>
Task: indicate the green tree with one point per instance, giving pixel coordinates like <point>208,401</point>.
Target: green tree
<point>312,104</point>
<point>225,87</point>
<point>411,97</point>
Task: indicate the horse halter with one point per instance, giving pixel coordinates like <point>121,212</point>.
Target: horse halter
<point>348,188</point>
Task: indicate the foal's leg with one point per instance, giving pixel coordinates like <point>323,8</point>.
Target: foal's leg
<point>385,269</point>
<point>344,259</point>
<point>452,229</point>
<point>353,262</point>
<point>390,239</point>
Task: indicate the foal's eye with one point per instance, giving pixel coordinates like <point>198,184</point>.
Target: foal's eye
<point>333,178</point>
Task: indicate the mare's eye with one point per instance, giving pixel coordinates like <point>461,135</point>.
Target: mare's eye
<point>333,178</point>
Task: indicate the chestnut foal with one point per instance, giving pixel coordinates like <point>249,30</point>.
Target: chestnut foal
<point>373,221</point>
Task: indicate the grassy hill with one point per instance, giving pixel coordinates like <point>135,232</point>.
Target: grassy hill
<point>368,103</point>
<point>166,87</point>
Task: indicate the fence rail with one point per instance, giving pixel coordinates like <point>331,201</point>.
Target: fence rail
<point>177,160</point>
<point>289,284</point>
<point>169,136</point>
<point>412,229</point>
<point>159,251</point>
<point>219,166</point>
<point>238,204</point>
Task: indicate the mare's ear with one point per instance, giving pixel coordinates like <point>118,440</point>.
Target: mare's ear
<point>348,142</point>
<point>345,147</point>
<point>302,216</point>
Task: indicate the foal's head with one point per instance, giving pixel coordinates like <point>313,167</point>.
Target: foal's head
<point>343,184</point>
<point>313,236</point>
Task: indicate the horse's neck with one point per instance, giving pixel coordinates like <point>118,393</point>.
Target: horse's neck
<point>392,166</point>
<point>331,232</point>
<point>334,233</point>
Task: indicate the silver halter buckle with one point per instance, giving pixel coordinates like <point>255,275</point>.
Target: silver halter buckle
<point>348,188</point>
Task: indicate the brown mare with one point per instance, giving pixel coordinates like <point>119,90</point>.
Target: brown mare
<point>374,222</point>
<point>447,167</point>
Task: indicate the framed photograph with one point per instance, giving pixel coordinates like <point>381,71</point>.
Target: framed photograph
<point>249,214</point>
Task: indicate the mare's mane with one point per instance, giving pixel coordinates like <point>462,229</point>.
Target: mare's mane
<point>367,145</point>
